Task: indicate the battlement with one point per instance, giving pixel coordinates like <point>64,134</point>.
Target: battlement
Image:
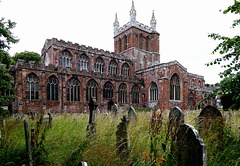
<point>135,24</point>
<point>61,43</point>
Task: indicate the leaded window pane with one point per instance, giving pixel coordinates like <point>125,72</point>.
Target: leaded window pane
<point>91,90</point>
<point>32,87</point>
<point>72,93</point>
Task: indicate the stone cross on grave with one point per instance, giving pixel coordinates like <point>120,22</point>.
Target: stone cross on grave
<point>91,129</point>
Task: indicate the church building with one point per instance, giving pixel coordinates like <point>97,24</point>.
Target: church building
<point>70,74</point>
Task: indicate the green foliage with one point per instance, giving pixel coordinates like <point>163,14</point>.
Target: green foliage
<point>27,56</point>
<point>6,36</point>
<point>5,90</point>
<point>229,47</point>
<point>5,59</point>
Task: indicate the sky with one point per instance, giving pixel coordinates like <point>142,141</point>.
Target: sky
<point>183,26</point>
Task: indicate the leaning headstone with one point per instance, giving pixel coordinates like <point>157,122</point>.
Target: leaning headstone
<point>115,109</point>
<point>122,139</point>
<point>132,115</point>
<point>91,128</point>
<point>190,149</point>
<point>176,117</point>
<point>210,118</point>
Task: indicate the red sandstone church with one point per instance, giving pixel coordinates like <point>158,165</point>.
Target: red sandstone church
<point>69,74</point>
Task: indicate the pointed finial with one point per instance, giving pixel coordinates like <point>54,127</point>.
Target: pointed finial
<point>116,23</point>
<point>133,13</point>
<point>153,21</point>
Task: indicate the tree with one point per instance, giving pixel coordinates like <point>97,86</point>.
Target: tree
<point>27,56</point>
<point>6,38</point>
<point>229,49</point>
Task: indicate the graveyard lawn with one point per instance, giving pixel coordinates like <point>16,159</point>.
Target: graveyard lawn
<point>65,143</point>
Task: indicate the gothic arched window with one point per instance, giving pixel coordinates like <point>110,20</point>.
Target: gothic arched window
<point>112,68</point>
<point>122,93</point>
<point>135,94</point>
<point>140,41</point>
<point>125,70</point>
<point>52,89</point>
<point>32,87</point>
<point>191,100</point>
<point>91,90</point>
<point>125,42</point>
<point>147,40</point>
<point>83,62</point>
<point>120,45</point>
<point>153,92</point>
<point>99,65</point>
<point>73,90</point>
<point>65,59</point>
<point>175,88</point>
<point>108,90</point>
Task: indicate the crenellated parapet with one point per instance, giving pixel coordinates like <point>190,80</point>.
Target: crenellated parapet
<point>61,44</point>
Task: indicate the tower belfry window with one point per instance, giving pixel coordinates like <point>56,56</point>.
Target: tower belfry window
<point>120,45</point>
<point>140,41</point>
<point>147,40</point>
<point>125,42</point>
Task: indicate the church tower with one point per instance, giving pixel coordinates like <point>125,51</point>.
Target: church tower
<point>137,41</point>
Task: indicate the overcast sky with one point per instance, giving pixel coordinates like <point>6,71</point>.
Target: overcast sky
<point>183,26</point>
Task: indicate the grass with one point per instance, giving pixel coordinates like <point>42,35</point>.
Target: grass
<point>65,142</point>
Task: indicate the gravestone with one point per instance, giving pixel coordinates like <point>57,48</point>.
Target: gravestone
<point>190,149</point>
<point>122,139</point>
<point>82,164</point>
<point>176,117</point>
<point>210,119</point>
<point>132,115</point>
<point>110,104</point>
<point>91,128</point>
<point>115,109</point>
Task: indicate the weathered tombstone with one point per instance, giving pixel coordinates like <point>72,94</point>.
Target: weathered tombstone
<point>28,144</point>
<point>45,118</point>
<point>4,123</point>
<point>122,139</point>
<point>91,128</point>
<point>32,137</point>
<point>190,148</point>
<point>115,109</point>
<point>50,118</point>
<point>110,104</point>
<point>210,118</point>
<point>132,115</point>
<point>176,117</point>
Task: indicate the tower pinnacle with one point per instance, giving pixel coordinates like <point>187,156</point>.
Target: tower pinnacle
<point>153,21</point>
<point>116,23</point>
<point>133,13</point>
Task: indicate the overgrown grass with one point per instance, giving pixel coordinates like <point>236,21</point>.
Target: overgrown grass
<point>66,144</point>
